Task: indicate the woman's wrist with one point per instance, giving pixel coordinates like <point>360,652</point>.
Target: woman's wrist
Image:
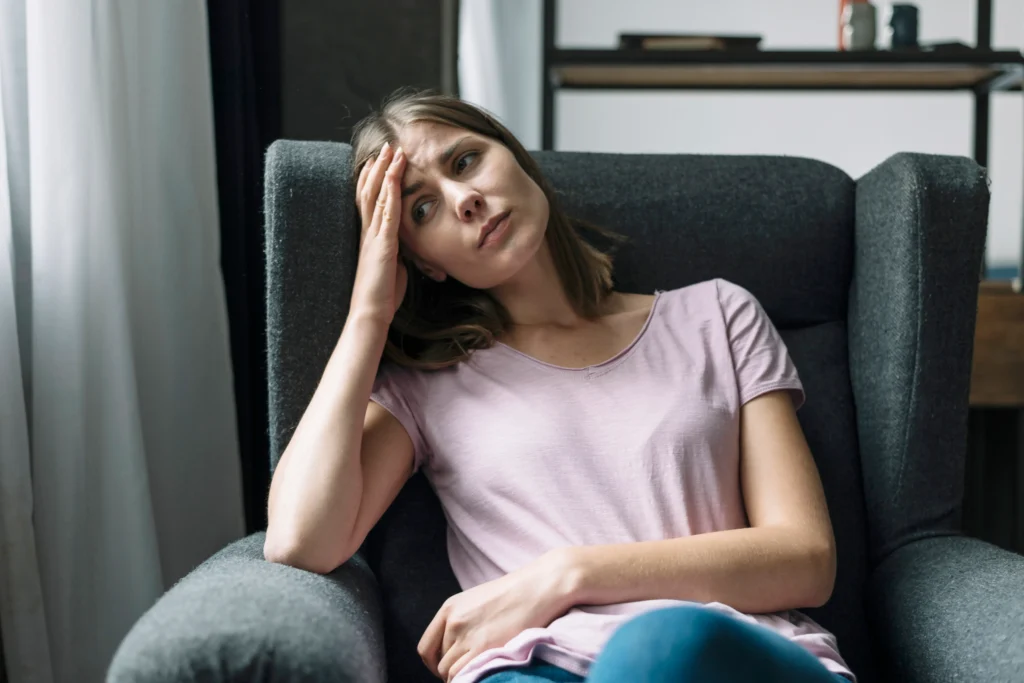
<point>367,321</point>
<point>562,572</point>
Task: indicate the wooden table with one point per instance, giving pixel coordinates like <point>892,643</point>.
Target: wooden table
<point>993,507</point>
<point>997,377</point>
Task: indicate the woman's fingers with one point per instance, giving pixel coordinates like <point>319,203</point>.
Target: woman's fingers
<point>455,668</point>
<point>393,201</point>
<point>360,184</point>
<point>363,180</point>
<point>389,184</point>
<point>454,655</point>
<point>372,185</point>
<point>378,210</point>
<point>362,177</point>
<point>374,222</point>
<point>429,647</point>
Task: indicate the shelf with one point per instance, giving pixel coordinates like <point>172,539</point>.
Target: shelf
<point>786,70</point>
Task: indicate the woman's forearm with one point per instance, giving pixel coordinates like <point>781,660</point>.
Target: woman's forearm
<point>754,570</point>
<point>317,486</point>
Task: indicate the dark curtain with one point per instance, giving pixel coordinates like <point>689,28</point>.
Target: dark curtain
<point>245,69</point>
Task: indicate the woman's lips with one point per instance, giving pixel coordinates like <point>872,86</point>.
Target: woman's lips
<point>497,231</point>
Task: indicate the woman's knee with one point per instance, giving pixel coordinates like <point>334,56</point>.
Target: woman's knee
<point>693,643</point>
<point>688,625</point>
<point>676,641</point>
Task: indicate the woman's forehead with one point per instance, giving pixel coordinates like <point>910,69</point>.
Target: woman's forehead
<point>424,142</point>
<point>419,132</point>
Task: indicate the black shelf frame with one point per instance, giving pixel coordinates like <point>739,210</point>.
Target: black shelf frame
<point>1005,72</point>
<point>971,57</point>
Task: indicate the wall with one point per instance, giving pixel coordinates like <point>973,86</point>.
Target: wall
<point>854,131</point>
<point>339,59</point>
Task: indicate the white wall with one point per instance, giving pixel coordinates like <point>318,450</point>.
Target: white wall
<point>854,131</point>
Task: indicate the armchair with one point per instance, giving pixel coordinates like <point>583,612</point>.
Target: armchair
<point>873,284</point>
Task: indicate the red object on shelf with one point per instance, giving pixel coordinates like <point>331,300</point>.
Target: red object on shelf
<point>842,8</point>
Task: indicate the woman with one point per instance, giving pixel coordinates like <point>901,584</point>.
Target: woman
<point>629,494</point>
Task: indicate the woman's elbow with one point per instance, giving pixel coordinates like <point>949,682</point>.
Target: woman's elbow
<point>295,555</point>
<point>824,574</point>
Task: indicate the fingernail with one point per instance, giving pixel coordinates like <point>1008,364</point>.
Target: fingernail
<point>385,147</point>
<point>398,151</point>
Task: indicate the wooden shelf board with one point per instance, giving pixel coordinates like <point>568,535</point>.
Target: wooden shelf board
<point>794,69</point>
<point>909,76</point>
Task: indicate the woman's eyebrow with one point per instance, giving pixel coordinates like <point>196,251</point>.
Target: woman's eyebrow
<point>441,161</point>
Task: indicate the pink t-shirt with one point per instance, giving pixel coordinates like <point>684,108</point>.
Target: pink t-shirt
<point>526,456</point>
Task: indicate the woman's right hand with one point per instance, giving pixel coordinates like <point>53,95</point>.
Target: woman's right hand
<point>381,277</point>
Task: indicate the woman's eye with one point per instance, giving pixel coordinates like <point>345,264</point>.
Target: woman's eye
<point>459,166</point>
<point>419,211</point>
<point>417,215</point>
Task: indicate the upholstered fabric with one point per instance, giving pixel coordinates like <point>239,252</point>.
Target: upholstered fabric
<point>950,608</point>
<point>239,618</point>
<point>919,240</point>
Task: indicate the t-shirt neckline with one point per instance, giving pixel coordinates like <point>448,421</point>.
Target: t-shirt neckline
<point>603,364</point>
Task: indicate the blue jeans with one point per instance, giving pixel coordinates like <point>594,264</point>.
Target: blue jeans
<point>683,644</point>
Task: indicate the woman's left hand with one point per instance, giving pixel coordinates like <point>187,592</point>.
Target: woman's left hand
<point>491,614</point>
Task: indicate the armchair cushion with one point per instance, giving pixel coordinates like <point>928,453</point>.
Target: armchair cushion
<point>950,608</point>
<point>238,618</point>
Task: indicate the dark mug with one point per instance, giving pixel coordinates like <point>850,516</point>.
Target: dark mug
<point>902,27</point>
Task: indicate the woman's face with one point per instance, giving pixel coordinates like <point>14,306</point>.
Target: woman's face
<point>456,185</point>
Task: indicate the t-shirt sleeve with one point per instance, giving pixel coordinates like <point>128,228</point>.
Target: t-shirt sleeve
<point>760,357</point>
<point>396,389</point>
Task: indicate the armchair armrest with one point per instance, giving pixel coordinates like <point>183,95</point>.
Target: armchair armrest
<point>238,617</point>
<point>919,237</point>
<point>950,609</point>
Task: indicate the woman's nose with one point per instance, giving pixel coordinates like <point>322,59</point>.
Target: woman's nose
<point>470,204</point>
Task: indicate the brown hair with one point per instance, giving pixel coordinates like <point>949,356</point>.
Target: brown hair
<point>438,324</point>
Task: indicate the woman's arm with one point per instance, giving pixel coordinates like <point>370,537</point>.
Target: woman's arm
<point>344,464</point>
<point>785,560</point>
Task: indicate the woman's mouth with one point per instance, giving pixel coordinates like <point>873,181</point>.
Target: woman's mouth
<point>492,234</point>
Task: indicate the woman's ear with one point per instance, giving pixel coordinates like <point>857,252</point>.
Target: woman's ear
<point>433,273</point>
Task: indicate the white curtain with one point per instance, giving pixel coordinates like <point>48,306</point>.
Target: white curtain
<point>500,48</point>
<point>118,452</point>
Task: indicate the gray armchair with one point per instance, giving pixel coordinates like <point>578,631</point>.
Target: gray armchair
<point>873,284</point>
